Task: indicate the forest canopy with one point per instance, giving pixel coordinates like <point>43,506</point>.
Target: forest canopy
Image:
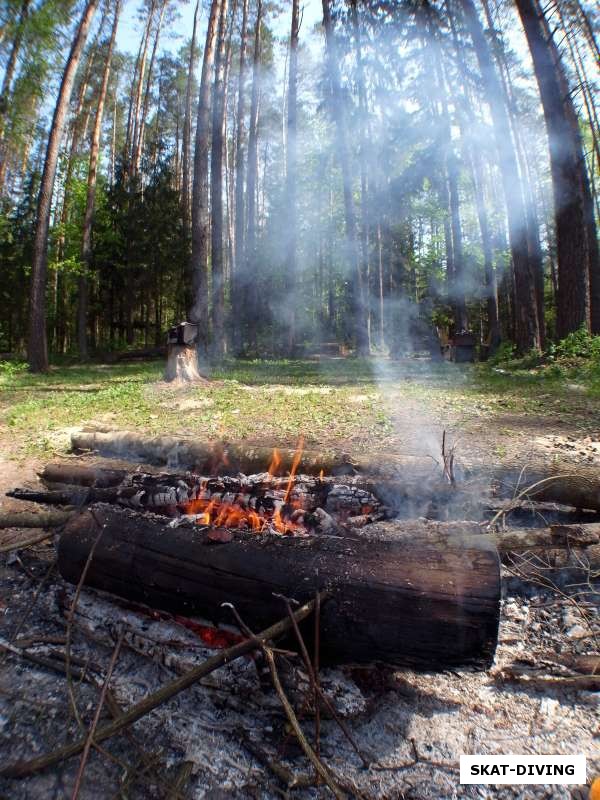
<point>291,176</point>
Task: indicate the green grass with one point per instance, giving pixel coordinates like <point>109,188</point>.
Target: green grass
<point>349,403</point>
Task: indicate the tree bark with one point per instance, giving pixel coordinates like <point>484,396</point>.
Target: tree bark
<point>86,245</point>
<point>136,97</point>
<point>358,307</point>
<point>9,71</point>
<point>445,615</point>
<point>291,261</point>
<point>37,346</point>
<point>139,142</point>
<point>238,265</point>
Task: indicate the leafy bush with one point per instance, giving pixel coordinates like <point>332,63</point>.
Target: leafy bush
<point>8,369</point>
<point>579,344</point>
<point>505,352</point>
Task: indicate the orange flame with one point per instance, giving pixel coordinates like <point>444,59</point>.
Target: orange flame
<point>295,463</point>
<point>275,462</point>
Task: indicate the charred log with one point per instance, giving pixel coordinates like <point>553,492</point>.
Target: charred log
<point>429,602</point>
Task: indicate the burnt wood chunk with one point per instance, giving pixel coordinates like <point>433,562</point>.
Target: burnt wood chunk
<point>430,601</point>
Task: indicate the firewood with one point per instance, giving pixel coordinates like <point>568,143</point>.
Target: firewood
<point>387,606</point>
<point>78,475</point>
<point>574,485</point>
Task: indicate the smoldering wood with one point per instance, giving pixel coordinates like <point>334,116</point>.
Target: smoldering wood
<point>430,601</point>
<point>190,494</point>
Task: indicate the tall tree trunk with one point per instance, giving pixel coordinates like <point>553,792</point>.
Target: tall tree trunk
<point>139,142</point>
<point>456,282</point>
<point>364,137</point>
<point>527,327</point>
<point>216,177</point>
<point>37,346</point>
<point>86,245</point>
<point>239,215</point>
<point>200,221</point>
<point>568,171</point>
<point>250,278</point>
<point>527,187</point>
<point>291,265</point>
<point>186,158</point>
<point>589,189</point>
<point>9,71</point>
<point>358,308</point>
<point>136,97</point>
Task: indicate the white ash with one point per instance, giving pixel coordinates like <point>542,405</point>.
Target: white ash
<point>444,714</point>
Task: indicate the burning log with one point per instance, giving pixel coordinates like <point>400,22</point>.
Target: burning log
<point>253,502</point>
<point>429,602</point>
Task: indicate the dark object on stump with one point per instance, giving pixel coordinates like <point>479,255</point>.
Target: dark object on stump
<point>430,602</point>
<point>462,347</point>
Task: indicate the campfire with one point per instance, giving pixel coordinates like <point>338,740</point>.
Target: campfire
<point>240,560</point>
<point>282,510</point>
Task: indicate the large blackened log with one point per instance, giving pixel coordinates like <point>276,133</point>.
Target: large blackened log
<point>429,601</point>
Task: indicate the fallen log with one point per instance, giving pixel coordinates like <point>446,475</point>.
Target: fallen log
<point>431,602</point>
<point>558,482</point>
<point>211,458</point>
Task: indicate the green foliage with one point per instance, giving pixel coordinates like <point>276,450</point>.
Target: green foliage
<point>504,353</point>
<point>577,345</point>
<point>10,369</point>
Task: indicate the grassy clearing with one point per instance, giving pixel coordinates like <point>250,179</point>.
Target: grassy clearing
<point>350,403</point>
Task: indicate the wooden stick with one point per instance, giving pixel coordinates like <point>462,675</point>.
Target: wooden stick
<point>21,544</point>
<point>33,519</point>
<point>70,618</point>
<point>21,768</point>
<point>182,778</point>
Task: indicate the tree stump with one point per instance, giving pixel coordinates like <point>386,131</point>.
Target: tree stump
<point>182,364</point>
<point>182,354</point>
